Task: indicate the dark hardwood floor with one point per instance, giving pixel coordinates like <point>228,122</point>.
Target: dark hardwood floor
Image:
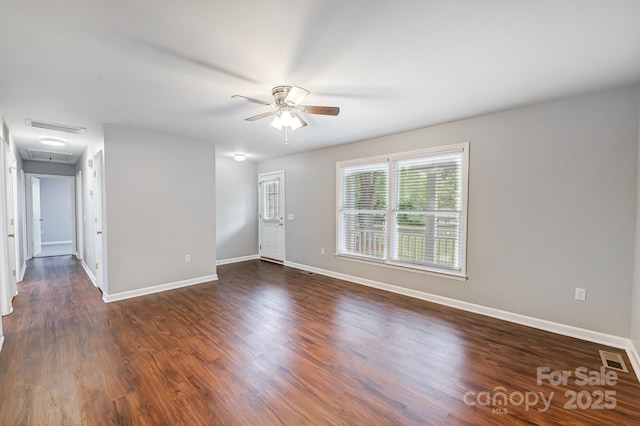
<point>268,344</point>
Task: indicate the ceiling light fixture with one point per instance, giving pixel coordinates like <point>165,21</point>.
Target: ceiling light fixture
<point>52,142</point>
<point>287,119</point>
<point>287,106</point>
<point>239,157</point>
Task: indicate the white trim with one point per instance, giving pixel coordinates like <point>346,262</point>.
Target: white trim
<point>89,274</point>
<point>554,327</point>
<point>634,357</point>
<point>1,342</point>
<point>401,267</point>
<point>237,259</point>
<point>389,160</point>
<point>108,298</point>
<point>50,243</point>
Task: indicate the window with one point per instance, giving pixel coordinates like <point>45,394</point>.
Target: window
<point>407,210</point>
<point>271,205</point>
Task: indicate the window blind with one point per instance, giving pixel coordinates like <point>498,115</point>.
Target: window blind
<point>427,211</point>
<point>363,210</point>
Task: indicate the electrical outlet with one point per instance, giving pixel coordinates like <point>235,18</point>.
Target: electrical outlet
<point>581,294</point>
<point>322,251</point>
<point>187,258</point>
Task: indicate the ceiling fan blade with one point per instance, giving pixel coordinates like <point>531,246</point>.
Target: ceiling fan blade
<point>255,101</point>
<point>324,110</point>
<point>259,116</point>
<point>296,95</point>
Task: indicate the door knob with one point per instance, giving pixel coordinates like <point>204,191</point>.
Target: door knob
<point>99,232</point>
<point>12,235</point>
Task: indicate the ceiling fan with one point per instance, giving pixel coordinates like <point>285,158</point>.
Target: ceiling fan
<point>287,108</point>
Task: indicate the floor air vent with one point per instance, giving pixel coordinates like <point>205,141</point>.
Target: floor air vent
<point>613,361</point>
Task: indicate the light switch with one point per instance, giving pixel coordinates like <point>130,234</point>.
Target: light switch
<point>290,216</point>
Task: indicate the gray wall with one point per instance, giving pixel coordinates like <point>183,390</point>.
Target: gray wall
<point>552,207</point>
<point>635,304</point>
<point>160,206</point>
<point>236,208</point>
<point>40,167</point>
<point>95,144</point>
<point>56,201</point>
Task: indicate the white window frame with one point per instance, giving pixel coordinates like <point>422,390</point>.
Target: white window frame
<point>387,262</point>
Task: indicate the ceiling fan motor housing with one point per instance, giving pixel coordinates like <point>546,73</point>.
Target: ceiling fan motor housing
<point>280,94</point>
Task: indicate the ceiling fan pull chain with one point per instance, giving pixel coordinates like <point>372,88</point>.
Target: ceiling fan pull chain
<point>286,136</point>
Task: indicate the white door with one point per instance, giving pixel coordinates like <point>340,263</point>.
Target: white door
<point>272,225</point>
<point>10,218</point>
<point>79,217</point>
<point>97,196</point>
<point>36,219</point>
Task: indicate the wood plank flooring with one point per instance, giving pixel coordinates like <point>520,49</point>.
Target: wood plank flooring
<point>269,345</point>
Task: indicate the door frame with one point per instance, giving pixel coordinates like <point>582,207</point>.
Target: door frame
<point>29,208</point>
<point>261,178</point>
<point>99,228</point>
<point>8,252</point>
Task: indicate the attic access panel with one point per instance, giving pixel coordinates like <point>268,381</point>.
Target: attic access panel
<point>50,156</point>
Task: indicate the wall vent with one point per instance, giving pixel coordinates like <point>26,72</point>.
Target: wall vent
<point>613,361</point>
<point>56,127</point>
<point>50,156</point>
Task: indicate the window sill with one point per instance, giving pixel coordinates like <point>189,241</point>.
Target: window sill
<point>436,273</point>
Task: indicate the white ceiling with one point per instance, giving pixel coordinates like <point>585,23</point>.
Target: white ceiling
<point>390,65</point>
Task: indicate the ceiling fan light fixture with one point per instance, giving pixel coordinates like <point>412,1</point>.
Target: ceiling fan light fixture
<point>277,122</point>
<point>239,157</point>
<point>288,109</point>
<point>296,122</point>
<point>286,118</point>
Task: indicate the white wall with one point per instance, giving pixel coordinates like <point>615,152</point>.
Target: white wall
<point>160,206</point>
<point>56,209</point>
<point>552,207</point>
<point>236,208</point>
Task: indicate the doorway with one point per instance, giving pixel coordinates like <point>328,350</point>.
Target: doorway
<point>272,224</point>
<point>51,215</point>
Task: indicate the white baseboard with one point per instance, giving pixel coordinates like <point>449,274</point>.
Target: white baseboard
<point>237,259</point>
<point>634,357</point>
<point>23,270</point>
<point>108,298</point>
<point>1,342</point>
<point>53,243</point>
<point>554,327</point>
<point>89,274</point>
